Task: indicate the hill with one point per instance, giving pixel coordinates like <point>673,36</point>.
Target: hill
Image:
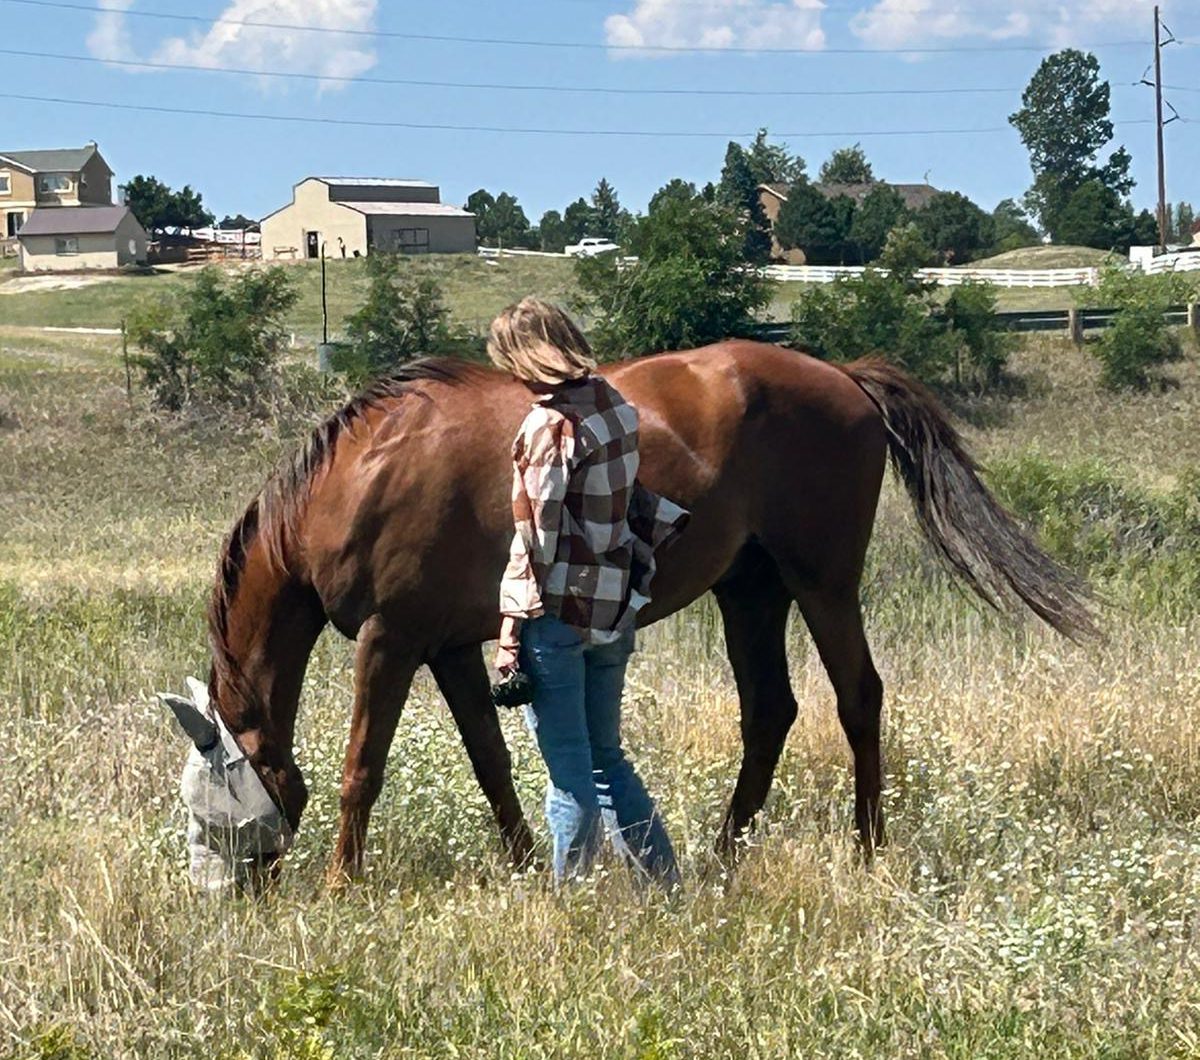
<point>1046,257</point>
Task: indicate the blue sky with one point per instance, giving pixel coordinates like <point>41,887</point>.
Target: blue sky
<point>249,166</point>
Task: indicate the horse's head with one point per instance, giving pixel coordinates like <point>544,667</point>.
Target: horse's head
<point>236,832</point>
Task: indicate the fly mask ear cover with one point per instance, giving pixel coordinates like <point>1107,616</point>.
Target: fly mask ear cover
<point>234,821</point>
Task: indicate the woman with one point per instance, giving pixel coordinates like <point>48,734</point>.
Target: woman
<point>578,573</point>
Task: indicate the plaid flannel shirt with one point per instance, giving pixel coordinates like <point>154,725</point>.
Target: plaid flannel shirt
<point>586,529</point>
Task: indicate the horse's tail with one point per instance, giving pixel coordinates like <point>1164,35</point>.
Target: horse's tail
<point>964,522</point>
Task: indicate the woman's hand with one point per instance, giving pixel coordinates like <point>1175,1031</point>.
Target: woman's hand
<point>510,642</point>
<point>506,659</point>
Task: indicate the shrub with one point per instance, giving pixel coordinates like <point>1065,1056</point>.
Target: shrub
<point>215,341</point>
<point>403,317</point>
<point>688,287</point>
<point>1139,341</point>
<point>895,314</point>
<point>982,347</point>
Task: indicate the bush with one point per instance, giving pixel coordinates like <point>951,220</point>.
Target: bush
<point>895,314</point>
<point>688,287</point>
<point>1139,341</point>
<point>402,318</point>
<point>216,341</point>
<point>982,347</point>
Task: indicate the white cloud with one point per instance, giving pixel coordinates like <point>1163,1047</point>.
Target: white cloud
<point>109,38</point>
<point>717,24</point>
<point>226,45</point>
<point>898,23</point>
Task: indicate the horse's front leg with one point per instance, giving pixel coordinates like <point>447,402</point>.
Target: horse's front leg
<point>463,679</point>
<point>383,673</point>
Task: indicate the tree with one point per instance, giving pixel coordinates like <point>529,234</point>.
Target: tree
<point>579,219</point>
<point>1183,220</point>
<point>773,163</point>
<point>157,207</point>
<point>847,165</point>
<point>1094,215</point>
<point>677,190</point>
<point>688,287</point>
<point>819,226</point>
<point>552,232</point>
<point>1012,227</point>
<point>499,220</point>
<point>881,210</point>
<point>607,209</point>
<point>955,227</point>
<point>217,340</point>
<point>1064,123</point>
<point>240,222</point>
<point>403,317</point>
<point>738,190</point>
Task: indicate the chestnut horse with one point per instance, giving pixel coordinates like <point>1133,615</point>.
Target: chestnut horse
<point>393,523</point>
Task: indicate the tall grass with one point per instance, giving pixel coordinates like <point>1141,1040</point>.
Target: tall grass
<point>1039,897</point>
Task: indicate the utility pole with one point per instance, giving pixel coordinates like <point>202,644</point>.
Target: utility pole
<point>1163,220</point>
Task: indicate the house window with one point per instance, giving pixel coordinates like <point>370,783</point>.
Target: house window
<point>55,182</point>
<point>5,184</point>
<point>412,240</point>
<point>13,222</point>
<point>66,245</point>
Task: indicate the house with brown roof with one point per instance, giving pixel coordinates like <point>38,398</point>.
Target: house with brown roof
<point>69,176</point>
<point>69,239</point>
<point>773,196</point>
<point>352,216</point>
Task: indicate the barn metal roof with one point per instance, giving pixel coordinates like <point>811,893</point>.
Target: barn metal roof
<point>407,209</point>
<point>73,220</point>
<point>377,182</point>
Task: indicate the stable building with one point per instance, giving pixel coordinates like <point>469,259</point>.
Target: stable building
<point>70,239</point>
<point>353,216</point>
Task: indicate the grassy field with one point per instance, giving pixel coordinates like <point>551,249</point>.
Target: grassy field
<point>1045,257</point>
<point>475,291</point>
<point>1040,895</point>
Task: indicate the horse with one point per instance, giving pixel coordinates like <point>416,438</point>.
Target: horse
<point>393,523</point>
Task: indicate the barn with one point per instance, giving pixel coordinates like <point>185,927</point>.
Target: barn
<point>71,238</point>
<point>351,216</point>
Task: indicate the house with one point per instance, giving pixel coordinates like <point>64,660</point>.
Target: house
<point>57,239</point>
<point>351,216</point>
<point>71,176</point>
<point>773,196</point>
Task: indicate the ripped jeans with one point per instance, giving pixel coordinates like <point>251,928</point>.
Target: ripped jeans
<point>576,717</point>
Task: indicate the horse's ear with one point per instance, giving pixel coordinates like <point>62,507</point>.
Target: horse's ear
<point>192,720</point>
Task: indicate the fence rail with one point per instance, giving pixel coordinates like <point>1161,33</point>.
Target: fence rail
<point>1068,322</point>
<point>944,277</point>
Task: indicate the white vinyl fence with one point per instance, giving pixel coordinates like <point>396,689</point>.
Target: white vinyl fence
<point>945,277</point>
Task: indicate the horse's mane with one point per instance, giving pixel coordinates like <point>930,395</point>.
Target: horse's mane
<point>272,517</point>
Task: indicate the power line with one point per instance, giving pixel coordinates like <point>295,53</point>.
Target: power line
<point>491,86</point>
<point>535,131</point>
<point>583,45</point>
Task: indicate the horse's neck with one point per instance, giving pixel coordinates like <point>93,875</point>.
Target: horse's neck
<point>272,623</point>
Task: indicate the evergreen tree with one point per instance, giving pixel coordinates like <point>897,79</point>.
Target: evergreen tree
<point>552,232</point>
<point>738,190</point>
<point>579,219</point>
<point>881,210</point>
<point>607,211</point>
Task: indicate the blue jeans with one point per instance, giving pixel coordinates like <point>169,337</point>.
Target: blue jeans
<point>576,717</point>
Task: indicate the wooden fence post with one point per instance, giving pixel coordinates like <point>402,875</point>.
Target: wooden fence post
<point>1194,319</point>
<point>1075,325</point>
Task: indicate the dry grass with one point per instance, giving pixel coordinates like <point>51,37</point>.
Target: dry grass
<point>1039,897</point>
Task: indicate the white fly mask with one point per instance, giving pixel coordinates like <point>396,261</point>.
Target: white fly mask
<point>235,829</point>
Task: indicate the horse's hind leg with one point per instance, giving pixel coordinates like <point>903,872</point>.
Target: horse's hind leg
<point>383,673</point>
<point>754,606</point>
<point>462,677</point>
<point>835,620</point>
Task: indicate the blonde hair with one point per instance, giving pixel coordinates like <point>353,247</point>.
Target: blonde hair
<point>538,343</point>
